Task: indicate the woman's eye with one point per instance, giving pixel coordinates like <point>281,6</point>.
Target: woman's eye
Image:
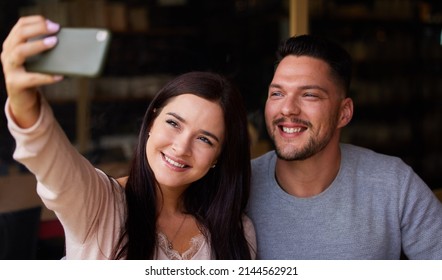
<point>172,123</point>
<point>205,140</point>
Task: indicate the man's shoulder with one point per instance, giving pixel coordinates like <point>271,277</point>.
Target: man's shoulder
<point>358,152</point>
<point>371,161</point>
<point>263,159</point>
<point>263,165</point>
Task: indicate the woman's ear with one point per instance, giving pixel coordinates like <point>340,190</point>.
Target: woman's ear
<point>346,112</point>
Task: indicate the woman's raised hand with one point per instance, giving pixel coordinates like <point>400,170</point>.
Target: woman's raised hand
<point>22,86</point>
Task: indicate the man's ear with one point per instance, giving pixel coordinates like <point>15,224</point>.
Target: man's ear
<point>346,112</point>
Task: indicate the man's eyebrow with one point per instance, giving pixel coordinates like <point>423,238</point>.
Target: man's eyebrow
<point>304,87</point>
<point>314,87</point>
<point>205,132</point>
<point>275,86</point>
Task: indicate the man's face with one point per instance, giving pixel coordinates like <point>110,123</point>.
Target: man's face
<point>304,108</point>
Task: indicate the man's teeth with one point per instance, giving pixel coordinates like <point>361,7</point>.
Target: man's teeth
<point>174,163</point>
<point>291,130</point>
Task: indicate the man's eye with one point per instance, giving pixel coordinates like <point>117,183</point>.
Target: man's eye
<point>275,93</point>
<point>310,94</point>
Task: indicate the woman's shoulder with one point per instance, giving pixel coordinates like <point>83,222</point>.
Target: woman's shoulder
<point>246,220</point>
<point>122,181</point>
<point>248,226</point>
<point>249,233</point>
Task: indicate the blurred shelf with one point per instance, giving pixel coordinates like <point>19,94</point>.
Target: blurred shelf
<point>397,81</point>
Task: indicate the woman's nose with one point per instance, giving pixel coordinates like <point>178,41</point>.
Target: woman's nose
<point>182,145</point>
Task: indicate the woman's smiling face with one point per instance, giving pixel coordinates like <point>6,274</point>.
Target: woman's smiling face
<point>185,140</point>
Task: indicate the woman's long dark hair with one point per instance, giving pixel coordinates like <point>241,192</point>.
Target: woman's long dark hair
<point>217,200</point>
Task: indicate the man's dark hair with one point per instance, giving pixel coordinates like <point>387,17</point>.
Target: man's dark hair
<point>334,55</point>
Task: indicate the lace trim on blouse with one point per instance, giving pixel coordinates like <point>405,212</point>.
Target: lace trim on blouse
<point>195,245</point>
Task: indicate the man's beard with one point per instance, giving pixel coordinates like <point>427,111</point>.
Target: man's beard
<point>312,147</point>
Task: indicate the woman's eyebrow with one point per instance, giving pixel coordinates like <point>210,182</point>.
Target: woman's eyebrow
<point>181,119</point>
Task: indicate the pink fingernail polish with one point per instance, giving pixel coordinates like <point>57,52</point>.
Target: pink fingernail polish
<point>50,41</point>
<point>57,78</point>
<point>52,26</point>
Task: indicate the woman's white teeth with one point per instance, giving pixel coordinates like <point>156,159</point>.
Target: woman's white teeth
<point>174,163</point>
<point>291,129</point>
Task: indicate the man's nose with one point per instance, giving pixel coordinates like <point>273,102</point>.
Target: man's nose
<point>291,106</point>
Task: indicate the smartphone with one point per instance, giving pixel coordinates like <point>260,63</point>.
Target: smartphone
<point>79,52</point>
